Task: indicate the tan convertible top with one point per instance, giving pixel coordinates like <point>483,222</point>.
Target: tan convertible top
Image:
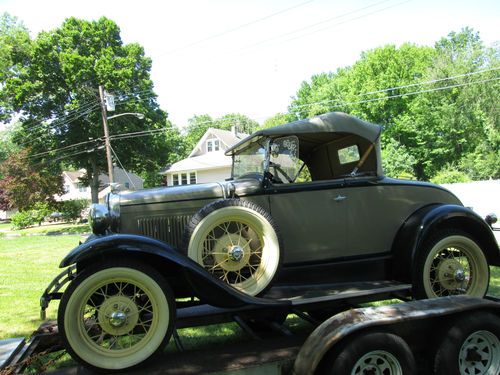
<point>333,122</point>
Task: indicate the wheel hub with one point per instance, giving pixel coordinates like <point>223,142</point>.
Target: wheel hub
<point>378,362</point>
<point>480,354</point>
<point>452,274</point>
<point>117,318</point>
<point>118,315</point>
<point>236,253</point>
<point>232,252</point>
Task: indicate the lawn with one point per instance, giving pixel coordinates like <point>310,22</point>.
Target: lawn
<point>29,263</point>
<point>45,229</point>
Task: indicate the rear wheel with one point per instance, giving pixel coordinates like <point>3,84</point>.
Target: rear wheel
<point>370,353</point>
<point>470,347</point>
<point>116,315</point>
<point>451,263</point>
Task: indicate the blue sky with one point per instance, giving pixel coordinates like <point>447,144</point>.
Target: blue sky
<point>223,56</point>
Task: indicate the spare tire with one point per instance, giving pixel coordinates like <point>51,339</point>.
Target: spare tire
<point>237,242</point>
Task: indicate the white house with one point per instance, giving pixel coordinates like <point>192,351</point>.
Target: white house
<point>206,162</point>
<point>74,188</point>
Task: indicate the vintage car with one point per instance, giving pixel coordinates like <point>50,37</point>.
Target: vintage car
<point>307,203</point>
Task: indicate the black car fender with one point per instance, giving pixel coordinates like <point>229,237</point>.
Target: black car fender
<point>163,256</point>
<point>429,219</point>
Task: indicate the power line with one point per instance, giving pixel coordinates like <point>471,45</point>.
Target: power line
<point>57,123</point>
<point>347,21</point>
<point>123,168</point>
<point>405,86</point>
<point>218,35</point>
<point>65,147</point>
<point>313,25</point>
<point>332,102</point>
<point>150,132</point>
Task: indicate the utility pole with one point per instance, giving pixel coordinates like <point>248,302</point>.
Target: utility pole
<point>106,134</point>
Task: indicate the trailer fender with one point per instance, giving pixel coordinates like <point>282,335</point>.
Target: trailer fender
<point>204,285</point>
<point>350,322</point>
<point>425,221</point>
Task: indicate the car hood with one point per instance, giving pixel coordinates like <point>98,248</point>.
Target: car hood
<point>212,190</point>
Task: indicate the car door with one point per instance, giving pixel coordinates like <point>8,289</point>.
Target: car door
<point>376,212</point>
<point>311,218</point>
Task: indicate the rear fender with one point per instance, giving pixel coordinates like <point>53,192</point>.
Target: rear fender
<point>205,286</point>
<point>429,219</point>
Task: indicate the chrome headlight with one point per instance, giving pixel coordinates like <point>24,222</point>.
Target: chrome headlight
<point>99,218</point>
<point>113,201</point>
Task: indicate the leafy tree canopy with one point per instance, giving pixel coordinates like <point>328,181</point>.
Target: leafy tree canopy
<point>438,105</point>
<point>23,184</point>
<point>55,93</point>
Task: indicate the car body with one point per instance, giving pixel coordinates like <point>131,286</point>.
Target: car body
<point>307,203</point>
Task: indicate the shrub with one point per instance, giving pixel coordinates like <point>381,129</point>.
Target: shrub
<point>34,215</point>
<point>23,219</point>
<point>450,175</point>
<point>72,210</point>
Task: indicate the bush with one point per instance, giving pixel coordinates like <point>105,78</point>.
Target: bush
<point>35,215</point>
<point>72,210</point>
<point>450,175</point>
<point>23,219</point>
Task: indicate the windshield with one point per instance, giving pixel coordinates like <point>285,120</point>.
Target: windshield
<point>250,160</point>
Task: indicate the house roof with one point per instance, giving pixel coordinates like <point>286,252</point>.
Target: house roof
<point>210,160</point>
<point>74,176</point>
<point>227,137</point>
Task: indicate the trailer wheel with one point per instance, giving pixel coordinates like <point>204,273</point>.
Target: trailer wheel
<point>116,315</point>
<point>471,347</point>
<point>237,242</point>
<point>450,263</point>
<point>370,353</point>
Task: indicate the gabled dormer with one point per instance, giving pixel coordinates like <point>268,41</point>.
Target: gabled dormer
<point>216,140</point>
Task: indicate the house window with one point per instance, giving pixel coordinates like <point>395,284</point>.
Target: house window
<point>81,188</point>
<point>192,178</point>
<point>213,145</point>
<point>187,178</point>
<point>127,185</point>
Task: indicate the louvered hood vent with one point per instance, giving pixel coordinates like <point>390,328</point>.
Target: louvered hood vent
<point>164,228</point>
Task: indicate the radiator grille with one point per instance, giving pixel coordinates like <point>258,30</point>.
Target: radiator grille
<point>164,228</point>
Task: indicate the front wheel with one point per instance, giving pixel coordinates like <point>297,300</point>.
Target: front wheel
<point>116,315</point>
<point>450,263</point>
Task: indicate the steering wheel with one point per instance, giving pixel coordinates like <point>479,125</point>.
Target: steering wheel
<point>277,168</point>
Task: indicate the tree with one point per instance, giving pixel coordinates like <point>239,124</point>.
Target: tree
<point>438,105</point>
<point>15,44</point>
<point>23,184</point>
<point>458,126</point>
<point>56,97</point>
<point>278,119</point>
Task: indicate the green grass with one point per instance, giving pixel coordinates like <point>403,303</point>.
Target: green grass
<point>27,265</point>
<point>5,227</point>
<point>46,229</point>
